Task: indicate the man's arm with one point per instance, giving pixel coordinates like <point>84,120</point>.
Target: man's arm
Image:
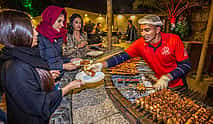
<point>182,69</point>
<point>117,59</point>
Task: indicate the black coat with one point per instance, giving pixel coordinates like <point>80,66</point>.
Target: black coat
<point>27,102</point>
<point>52,52</point>
<point>132,34</point>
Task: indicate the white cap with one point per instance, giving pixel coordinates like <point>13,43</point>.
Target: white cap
<point>151,19</point>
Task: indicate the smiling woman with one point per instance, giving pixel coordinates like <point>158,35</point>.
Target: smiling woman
<point>59,23</point>
<point>52,35</point>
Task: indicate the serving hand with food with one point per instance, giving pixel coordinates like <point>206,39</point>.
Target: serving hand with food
<point>97,67</point>
<point>91,72</point>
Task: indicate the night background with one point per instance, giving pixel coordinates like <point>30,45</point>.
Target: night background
<point>35,7</point>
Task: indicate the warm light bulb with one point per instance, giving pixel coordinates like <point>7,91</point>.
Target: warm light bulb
<point>132,17</point>
<point>120,16</point>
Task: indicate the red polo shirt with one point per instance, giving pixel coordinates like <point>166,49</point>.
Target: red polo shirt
<point>163,56</point>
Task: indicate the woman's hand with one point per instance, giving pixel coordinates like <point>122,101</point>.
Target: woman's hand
<point>72,85</point>
<point>69,66</point>
<point>76,61</point>
<point>55,73</point>
<point>76,84</point>
<point>82,44</point>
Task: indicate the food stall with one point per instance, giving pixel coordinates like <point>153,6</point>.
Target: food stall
<point>139,103</point>
<point>126,94</point>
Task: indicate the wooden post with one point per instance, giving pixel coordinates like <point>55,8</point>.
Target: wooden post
<point>205,44</point>
<point>109,24</point>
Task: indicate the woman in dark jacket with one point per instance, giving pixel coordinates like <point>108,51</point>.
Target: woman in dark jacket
<point>25,80</point>
<point>52,34</point>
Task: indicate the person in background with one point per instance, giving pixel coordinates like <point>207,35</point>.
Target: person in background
<point>89,27</point>
<point>25,79</point>
<point>94,38</point>
<point>98,28</point>
<point>52,35</point>
<point>163,52</point>
<point>131,32</point>
<point>76,45</point>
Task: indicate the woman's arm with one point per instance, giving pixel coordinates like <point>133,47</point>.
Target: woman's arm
<point>24,87</point>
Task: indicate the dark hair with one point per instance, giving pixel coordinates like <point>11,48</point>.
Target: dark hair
<point>130,21</point>
<point>16,28</point>
<point>17,31</point>
<point>75,15</point>
<point>98,23</point>
<point>64,13</point>
<point>47,82</point>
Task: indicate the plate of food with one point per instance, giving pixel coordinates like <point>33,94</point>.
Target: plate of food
<point>90,74</point>
<point>79,62</point>
<point>84,77</point>
<point>76,62</point>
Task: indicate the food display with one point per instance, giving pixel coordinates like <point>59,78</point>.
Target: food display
<point>141,88</point>
<point>135,97</point>
<point>126,68</point>
<point>169,107</point>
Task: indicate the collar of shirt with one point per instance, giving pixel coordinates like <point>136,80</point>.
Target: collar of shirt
<point>158,44</point>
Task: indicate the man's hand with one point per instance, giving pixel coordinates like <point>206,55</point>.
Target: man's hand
<point>97,67</point>
<point>104,63</point>
<point>162,82</point>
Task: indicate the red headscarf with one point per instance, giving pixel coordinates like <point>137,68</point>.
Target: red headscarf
<point>49,16</point>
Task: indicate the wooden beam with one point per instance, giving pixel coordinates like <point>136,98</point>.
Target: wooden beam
<point>109,24</point>
<point>205,44</point>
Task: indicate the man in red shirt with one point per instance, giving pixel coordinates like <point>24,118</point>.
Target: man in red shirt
<point>163,52</point>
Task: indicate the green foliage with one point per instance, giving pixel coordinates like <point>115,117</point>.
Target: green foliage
<point>27,4</point>
<point>182,28</point>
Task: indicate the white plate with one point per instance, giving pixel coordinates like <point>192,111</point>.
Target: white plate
<point>95,53</point>
<point>88,79</point>
<point>76,62</point>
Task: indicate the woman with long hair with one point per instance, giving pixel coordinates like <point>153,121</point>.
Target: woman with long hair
<point>25,78</point>
<point>76,39</point>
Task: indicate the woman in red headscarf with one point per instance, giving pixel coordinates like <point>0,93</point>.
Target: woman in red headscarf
<point>52,34</point>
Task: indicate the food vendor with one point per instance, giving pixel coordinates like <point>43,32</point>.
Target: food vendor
<point>163,52</point>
